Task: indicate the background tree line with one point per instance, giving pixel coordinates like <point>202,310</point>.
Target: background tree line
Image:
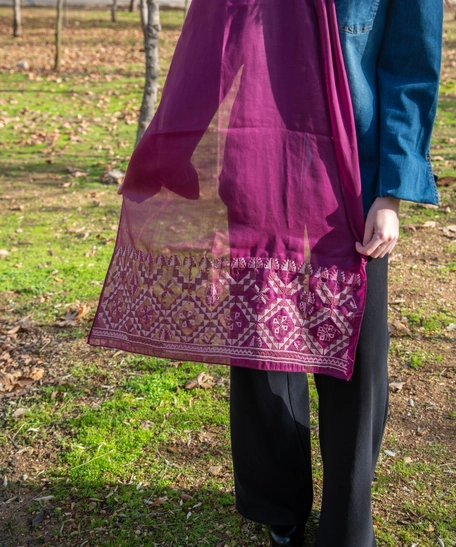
<point>150,21</point>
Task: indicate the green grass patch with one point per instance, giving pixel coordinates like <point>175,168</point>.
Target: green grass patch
<point>129,455</point>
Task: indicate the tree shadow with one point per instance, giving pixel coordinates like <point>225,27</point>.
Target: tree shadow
<point>18,170</point>
<point>120,515</point>
<point>62,507</point>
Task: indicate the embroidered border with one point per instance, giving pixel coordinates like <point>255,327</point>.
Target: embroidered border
<point>249,311</point>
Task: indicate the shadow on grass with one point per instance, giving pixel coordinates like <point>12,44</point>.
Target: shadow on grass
<point>72,502</point>
<point>447,100</point>
<point>30,167</point>
<point>104,515</point>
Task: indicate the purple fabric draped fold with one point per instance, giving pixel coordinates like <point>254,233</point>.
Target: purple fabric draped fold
<point>242,201</point>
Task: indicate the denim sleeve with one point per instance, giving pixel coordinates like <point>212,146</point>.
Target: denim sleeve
<point>408,80</point>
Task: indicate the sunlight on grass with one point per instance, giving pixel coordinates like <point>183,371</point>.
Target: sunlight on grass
<point>129,456</point>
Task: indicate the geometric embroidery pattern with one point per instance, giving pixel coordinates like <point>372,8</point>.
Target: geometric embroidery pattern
<point>251,312</point>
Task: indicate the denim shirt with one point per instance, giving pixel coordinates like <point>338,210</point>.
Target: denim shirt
<point>392,51</point>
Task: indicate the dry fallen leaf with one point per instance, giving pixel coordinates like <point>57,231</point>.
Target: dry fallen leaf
<point>396,386</point>
<point>448,231</point>
<point>398,329</point>
<point>215,470</point>
<point>3,253</point>
<point>36,373</point>
<point>20,412</point>
<point>83,310</point>
<point>6,357</point>
<point>114,176</point>
<point>73,314</point>
<point>202,380</point>
<point>75,172</point>
<point>429,224</point>
<point>160,501</point>
<point>44,498</point>
<point>19,379</point>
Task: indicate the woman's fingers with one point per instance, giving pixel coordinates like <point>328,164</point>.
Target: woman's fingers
<point>369,230</point>
<point>378,246</point>
<point>381,230</point>
<point>383,249</point>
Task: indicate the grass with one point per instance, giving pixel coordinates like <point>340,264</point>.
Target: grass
<point>129,455</point>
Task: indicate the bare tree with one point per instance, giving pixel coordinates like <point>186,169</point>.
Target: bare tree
<point>451,6</point>
<point>151,35</point>
<point>133,5</point>
<point>186,6</point>
<point>17,26</point>
<point>114,11</point>
<point>58,35</point>
<point>143,9</point>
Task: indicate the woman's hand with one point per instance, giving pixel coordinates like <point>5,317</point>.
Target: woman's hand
<point>381,230</point>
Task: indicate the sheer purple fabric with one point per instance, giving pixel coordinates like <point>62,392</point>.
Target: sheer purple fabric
<point>242,201</point>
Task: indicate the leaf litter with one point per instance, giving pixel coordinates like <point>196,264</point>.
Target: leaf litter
<point>203,380</point>
<point>415,279</point>
<point>18,369</point>
<point>74,315</point>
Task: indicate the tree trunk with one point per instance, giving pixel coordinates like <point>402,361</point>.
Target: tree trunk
<point>17,26</point>
<point>144,14</point>
<point>58,35</point>
<point>114,11</point>
<point>186,6</point>
<point>133,6</point>
<point>151,35</point>
<point>451,7</point>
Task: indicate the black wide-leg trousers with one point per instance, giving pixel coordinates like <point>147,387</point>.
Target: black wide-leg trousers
<point>270,435</point>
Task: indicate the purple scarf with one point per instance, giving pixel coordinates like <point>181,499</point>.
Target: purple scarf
<point>242,201</point>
